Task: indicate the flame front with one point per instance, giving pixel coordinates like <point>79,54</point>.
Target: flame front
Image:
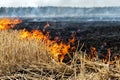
<point>7,23</point>
<point>24,34</point>
<point>57,50</point>
<point>55,47</point>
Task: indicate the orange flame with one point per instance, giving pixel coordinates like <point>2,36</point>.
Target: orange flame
<point>6,23</point>
<point>35,34</point>
<point>72,41</point>
<point>58,51</point>
<point>56,48</point>
<point>25,34</point>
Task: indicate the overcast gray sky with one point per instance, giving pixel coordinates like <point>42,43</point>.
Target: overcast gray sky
<point>68,3</point>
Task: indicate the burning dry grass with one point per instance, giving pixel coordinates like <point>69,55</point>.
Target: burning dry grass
<point>28,59</point>
<point>16,54</point>
<point>7,23</point>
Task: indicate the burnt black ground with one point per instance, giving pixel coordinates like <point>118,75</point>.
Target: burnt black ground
<point>87,32</point>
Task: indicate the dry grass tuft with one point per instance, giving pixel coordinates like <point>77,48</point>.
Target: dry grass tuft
<point>27,59</point>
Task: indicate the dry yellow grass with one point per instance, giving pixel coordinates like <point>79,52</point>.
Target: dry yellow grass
<point>28,59</point>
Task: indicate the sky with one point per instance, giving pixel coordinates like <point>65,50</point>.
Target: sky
<point>59,3</point>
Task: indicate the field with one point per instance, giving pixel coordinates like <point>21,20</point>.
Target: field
<point>28,58</point>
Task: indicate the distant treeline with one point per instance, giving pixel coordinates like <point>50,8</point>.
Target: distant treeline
<point>58,11</point>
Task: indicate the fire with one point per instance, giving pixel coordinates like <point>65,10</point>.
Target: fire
<point>38,35</point>
<point>25,34</point>
<point>72,41</point>
<point>93,52</point>
<point>57,50</point>
<point>34,34</point>
<point>6,23</point>
<point>55,47</point>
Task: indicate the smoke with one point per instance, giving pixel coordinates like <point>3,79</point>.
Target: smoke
<point>50,12</point>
